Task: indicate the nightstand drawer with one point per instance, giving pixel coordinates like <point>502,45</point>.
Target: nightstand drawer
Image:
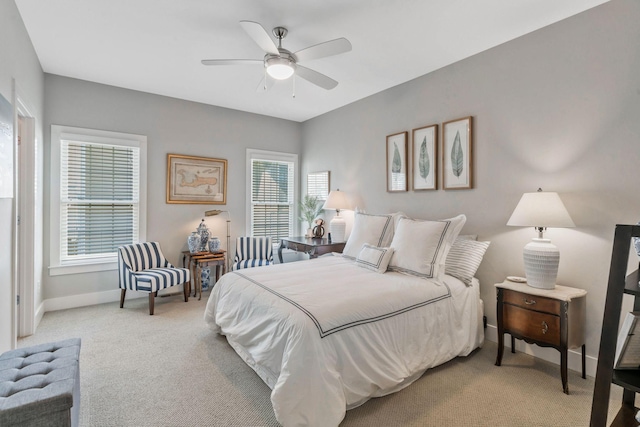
<point>531,324</point>
<point>532,302</point>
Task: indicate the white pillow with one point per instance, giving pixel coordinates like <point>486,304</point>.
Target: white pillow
<point>467,237</point>
<point>375,230</point>
<point>421,247</point>
<point>374,258</point>
<point>464,258</point>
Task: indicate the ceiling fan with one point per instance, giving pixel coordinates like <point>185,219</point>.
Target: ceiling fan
<point>279,63</point>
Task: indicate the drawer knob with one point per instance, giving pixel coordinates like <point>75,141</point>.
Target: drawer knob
<point>545,327</point>
<point>529,301</point>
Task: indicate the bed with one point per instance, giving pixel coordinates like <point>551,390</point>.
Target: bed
<point>326,335</point>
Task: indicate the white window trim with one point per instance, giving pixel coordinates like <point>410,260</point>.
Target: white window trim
<point>278,157</point>
<point>99,263</point>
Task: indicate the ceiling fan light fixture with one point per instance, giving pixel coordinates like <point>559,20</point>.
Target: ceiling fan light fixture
<point>280,68</point>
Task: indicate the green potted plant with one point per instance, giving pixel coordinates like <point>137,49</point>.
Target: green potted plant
<point>309,211</point>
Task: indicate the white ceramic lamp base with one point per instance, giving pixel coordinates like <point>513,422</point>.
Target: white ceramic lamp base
<point>541,259</point>
<point>338,228</point>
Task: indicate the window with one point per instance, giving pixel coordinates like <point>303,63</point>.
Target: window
<point>272,179</point>
<point>98,193</point>
<point>318,185</point>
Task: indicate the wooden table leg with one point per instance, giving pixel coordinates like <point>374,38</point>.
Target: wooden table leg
<point>584,373</point>
<point>563,370</point>
<point>500,330</point>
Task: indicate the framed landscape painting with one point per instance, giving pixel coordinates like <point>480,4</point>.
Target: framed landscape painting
<point>457,154</point>
<point>397,162</point>
<point>199,180</point>
<point>424,154</point>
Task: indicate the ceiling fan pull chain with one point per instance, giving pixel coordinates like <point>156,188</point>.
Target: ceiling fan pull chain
<point>294,85</point>
<point>265,79</point>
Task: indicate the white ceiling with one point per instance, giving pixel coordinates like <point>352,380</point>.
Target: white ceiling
<point>156,45</point>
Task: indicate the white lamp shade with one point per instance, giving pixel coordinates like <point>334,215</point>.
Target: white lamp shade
<point>336,200</point>
<point>541,209</point>
<point>541,258</point>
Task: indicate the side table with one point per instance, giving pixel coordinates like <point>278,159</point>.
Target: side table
<point>312,246</point>
<point>195,262</point>
<point>546,317</point>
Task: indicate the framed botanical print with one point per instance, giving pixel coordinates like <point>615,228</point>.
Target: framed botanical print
<point>424,155</point>
<point>198,180</point>
<point>457,154</point>
<point>397,162</point>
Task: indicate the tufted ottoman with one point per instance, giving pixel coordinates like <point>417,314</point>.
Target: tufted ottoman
<point>40,385</point>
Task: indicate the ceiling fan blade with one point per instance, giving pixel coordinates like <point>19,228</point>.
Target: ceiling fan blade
<point>231,61</point>
<point>316,78</point>
<point>332,47</point>
<point>260,36</point>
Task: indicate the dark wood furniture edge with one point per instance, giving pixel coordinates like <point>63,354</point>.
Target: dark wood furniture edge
<point>616,288</point>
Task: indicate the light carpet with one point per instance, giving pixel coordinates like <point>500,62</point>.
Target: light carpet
<point>170,370</point>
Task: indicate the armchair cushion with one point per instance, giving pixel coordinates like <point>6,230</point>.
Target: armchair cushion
<point>143,267</point>
<point>253,252</point>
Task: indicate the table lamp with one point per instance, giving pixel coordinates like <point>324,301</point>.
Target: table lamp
<point>215,212</point>
<point>541,209</point>
<point>335,201</point>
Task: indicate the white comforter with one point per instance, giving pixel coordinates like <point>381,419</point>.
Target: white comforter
<point>327,335</point>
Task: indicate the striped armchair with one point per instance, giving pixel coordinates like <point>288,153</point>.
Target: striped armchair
<point>143,267</point>
<point>253,252</point>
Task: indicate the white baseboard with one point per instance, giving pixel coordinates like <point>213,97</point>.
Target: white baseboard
<point>574,357</point>
<point>82,300</point>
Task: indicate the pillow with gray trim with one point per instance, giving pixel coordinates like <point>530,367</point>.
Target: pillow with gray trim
<point>421,247</point>
<point>374,258</point>
<point>375,230</point>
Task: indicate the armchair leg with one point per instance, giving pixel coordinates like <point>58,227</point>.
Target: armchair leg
<point>186,291</point>
<point>151,301</point>
<point>122,292</point>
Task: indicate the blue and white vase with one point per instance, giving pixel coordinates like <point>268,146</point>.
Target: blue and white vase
<point>214,245</point>
<point>193,241</point>
<point>636,242</point>
<point>205,278</point>
<point>204,233</point>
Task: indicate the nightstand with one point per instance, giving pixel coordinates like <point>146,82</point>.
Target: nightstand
<point>546,317</point>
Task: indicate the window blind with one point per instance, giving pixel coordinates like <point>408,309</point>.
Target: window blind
<point>318,185</point>
<point>272,198</point>
<point>99,198</point>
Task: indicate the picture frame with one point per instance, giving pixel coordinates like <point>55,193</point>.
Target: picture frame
<point>196,180</point>
<point>397,162</point>
<point>457,154</point>
<point>424,155</point>
<point>628,343</point>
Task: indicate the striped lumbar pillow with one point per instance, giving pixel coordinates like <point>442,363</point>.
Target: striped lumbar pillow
<point>464,258</point>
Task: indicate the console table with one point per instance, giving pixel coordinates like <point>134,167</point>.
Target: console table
<point>312,246</point>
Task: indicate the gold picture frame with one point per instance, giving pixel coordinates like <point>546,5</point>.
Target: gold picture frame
<point>457,154</point>
<point>196,180</point>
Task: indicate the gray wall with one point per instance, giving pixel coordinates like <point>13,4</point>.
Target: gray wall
<point>558,109</point>
<point>19,62</point>
<point>171,126</point>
